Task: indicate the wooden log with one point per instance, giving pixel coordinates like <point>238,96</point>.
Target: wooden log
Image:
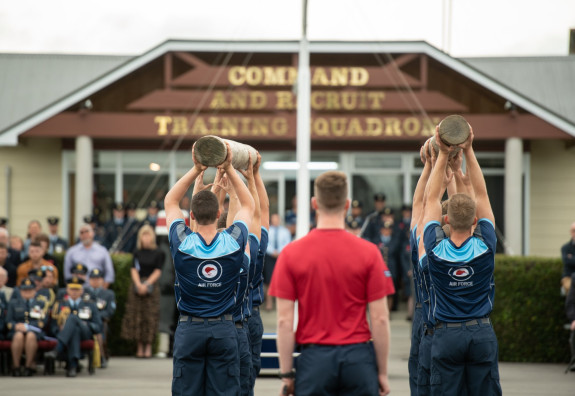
<point>453,130</point>
<point>211,151</point>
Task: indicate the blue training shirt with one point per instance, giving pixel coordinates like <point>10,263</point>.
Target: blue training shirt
<point>257,291</point>
<point>254,247</point>
<point>414,264</point>
<point>462,277</point>
<point>207,275</point>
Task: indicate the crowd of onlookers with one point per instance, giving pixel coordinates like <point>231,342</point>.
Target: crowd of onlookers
<point>45,303</point>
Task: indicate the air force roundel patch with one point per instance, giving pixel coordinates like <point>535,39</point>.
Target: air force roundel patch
<point>461,273</point>
<point>209,271</point>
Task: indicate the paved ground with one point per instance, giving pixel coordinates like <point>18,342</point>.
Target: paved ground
<point>130,376</point>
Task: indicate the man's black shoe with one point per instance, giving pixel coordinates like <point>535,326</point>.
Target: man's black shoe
<point>29,372</point>
<point>71,372</point>
<point>16,372</point>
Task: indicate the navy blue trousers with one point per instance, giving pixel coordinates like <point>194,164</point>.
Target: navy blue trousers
<point>337,370</point>
<point>245,354</point>
<point>70,337</point>
<point>412,363</point>
<point>464,361</point>
<point>424,367</point>
<point>206,359</point>
<point>256,331</point>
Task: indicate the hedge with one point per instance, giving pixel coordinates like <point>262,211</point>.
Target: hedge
<point>529,311</point>
<point>528,315</point>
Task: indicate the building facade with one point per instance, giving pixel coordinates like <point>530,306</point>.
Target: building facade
<point>125,134</point>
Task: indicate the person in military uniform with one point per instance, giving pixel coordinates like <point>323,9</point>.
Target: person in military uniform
<point>356,213</point>
<point>152,216</point>
<point>57,243</point>
<point>113,229</point>
<point>25,320</point>
<point>99,233</point>
<point>44,280</point>
<point>3,302</point>
<point>105,300</point>
<point>74,319</point>
<point>79,271</point>
<point>371,226</point>
<point>388,245</point>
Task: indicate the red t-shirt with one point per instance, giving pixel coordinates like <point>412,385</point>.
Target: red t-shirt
<point>333,275</point>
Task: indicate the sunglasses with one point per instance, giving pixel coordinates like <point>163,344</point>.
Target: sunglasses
<point>47,268</point>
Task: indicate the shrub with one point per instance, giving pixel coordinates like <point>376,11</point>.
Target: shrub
<point>529,311</point>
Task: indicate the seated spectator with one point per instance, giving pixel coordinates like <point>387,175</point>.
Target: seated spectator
<point>35,262</point>
<point>105,300</point>
<point>25,320</point>
<point>34,229</point>
<point>4,288</point>
<point>7,264</point>
<point>91,254</point>
<point>17,244</point>
<point>74,319</point>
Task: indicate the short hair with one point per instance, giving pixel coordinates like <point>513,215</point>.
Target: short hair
<point>146,229</point>
<point>36,243</point>
<point>43,238</point>
<point>330,190</point>
<point>461,212</point>
<point>205,207</point>
<point>223,220</point>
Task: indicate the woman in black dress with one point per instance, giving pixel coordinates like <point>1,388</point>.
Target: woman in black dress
<point>140,322</point>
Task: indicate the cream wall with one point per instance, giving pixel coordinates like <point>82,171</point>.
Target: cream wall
<point>552,208</point>
<point>36,186</point>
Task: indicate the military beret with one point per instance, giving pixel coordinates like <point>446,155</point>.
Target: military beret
<point>75,283</point>
<point>379,197</point>
<point>53,220</point>
<point>96,273</point>
<point>79,269</point>
<point>27,284</point>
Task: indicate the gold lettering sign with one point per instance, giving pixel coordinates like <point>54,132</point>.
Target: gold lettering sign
<point>372,127</point>
<point>324,127</point>
<point>222,126</point>
<point>282,76</point>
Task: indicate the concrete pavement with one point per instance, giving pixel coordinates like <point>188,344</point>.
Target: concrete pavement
<point>130,376</point>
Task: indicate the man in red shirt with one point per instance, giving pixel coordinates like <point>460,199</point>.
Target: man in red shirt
<point>334,276</point>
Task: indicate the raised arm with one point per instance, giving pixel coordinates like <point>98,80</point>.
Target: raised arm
<point>417,202</point>
<point>246,210</point>
<point>475,175</point>
<point>436,185</point>
<point>262,195</point>
<point>177,192</point>
<point>219,181</point>
<point>255,227</point>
